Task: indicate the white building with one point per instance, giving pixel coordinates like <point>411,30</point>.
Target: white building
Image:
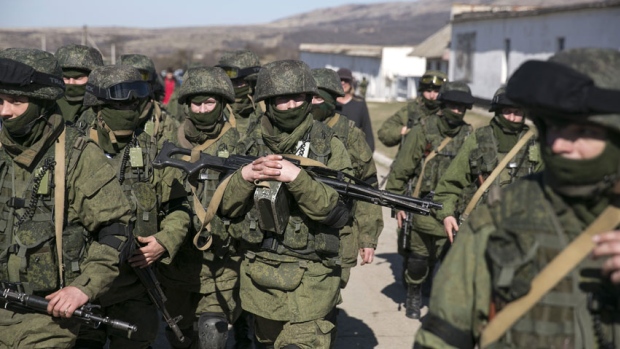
<point>487,47</point>
<point>390,71</point>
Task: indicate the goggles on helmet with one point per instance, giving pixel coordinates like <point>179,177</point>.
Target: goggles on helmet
<point>432,80</point>
<point>121,92</point>
<point>20,74</point>
<point>236,73</point>
<point>146,75</point>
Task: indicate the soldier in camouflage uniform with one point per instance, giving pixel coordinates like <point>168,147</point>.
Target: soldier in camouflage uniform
<point>96,214</point>
<point>479,156</point>
<point>77,61</point>
<point>363,233</point>
<point>147,70</point>
<point>290,272</point>
<point>398,125</point>
<point>242,67</point>
<point>203,286</point>
<point>125,131</point>
<point>572,99</point>
<point>422,159</point>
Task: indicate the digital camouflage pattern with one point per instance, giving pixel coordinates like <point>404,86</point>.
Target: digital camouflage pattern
<point>500,100</point>
<point>79,57</point>
<point>409,115</point>
<point>206,81</point>
<point>328,79</point>
<point>240,59</point>
<point>456,92</point>
<point>107,76</point>
<point>41,61</point>
<point>284,78</point>
<point>140,62</point>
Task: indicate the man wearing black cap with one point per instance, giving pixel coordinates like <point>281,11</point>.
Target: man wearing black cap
<point>354,107</point>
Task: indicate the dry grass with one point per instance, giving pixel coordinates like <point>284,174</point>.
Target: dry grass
<point>379,112</point>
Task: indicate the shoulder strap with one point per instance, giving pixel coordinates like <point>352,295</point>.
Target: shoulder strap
<point>553,273</point>
<point>231,116</point>
<point>496,171</point>
<point>430,156</point>
<point>59,197</point>
<point>331,123</point>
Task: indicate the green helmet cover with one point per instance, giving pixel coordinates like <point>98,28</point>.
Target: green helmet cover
<point>284,78</point>
<point>107,76</point>
<point>328,80</point>
<point>79,57</point>
<point>206,80</point>
<point>40,61</point>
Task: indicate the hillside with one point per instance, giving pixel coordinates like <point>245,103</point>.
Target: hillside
<point>390,23</point>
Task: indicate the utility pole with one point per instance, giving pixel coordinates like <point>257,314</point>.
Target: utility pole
<point>43,42</point>
<point>113,54</point>
<point>84,34</point>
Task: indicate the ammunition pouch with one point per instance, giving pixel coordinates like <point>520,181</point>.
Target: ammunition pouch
<point>145,201</point>
<point>32,260</point>
<point>75,240</point>
<point>271,200</point>
<point>270,274</point>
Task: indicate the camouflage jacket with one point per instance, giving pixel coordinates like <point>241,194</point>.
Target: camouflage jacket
<point>499,251</point>
<point>409,115</point>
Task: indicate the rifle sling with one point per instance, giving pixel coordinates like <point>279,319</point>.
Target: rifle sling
<point>331,123</point>
<point>59,199</point>
<point>231,116</point>
<point>418,185</point>
<point>496,171</point>
<point>553,273</point>
<point>211,210</point>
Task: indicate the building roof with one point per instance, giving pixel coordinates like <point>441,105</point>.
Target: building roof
<point>502,13</point>
<point>343,49</point>
<point>435,45</point>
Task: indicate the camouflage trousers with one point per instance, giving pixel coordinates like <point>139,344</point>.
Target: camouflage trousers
<point>315,334</point>
<point>426,250</point>
<point>31,330</point>
<point>139,311</point>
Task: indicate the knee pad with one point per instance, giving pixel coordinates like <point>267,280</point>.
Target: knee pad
<point>291,346</point>
<point>417,266</point>
<point>174,341</point>
<point>212,330</point>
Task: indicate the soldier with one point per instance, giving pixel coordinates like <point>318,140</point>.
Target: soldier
<point>367,223</point>
<point>511,252</point>
<point>354,107</point>
<point>398,125</point>
<point>363,87</point>
<point>203,286</point>
<point>422,159</point>
<point>147,70</point>
<point>76,61</point>
<point>122,102</point>
<point>290,273</point>
<point>242,67</point>
<point>35,141</point>
<point>478,158</point>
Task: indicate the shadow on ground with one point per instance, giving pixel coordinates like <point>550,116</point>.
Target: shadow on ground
<point>354,333</point>
<point>395,291</point>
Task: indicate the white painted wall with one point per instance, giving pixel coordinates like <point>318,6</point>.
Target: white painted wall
<point>534,37</point>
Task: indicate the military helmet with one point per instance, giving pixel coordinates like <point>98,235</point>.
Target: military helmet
<point>578,85</point>
<point>141,62</point>
<point>111,83</point>
<point>206,80</point>
<point>241,64</point>
<point>31,73</point>
<point>456,92</point>
<point>79,57</point>
<point>432,78</point>
<point>284,78</point>
<point>328,80</point>
<point>500,101</point>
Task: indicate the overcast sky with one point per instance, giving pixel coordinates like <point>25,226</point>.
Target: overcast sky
<point>155,13</point>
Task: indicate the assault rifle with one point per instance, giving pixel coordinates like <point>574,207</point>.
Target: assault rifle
<point>354,188</point>
<point>11,295</point>
<point>156,294</point>
<point>405,231</point>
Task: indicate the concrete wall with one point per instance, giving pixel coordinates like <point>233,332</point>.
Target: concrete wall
<point>535,37</point>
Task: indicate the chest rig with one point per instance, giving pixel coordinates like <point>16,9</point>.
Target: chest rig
<point>485,157</point>
<point>28,252</point>
<point>436,167</point>
<point>582,311</point>
<point>276,223</point>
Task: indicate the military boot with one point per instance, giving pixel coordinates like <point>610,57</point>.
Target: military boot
<point>413,302</point>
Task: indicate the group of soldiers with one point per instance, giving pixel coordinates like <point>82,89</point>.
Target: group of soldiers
<point>89,209</point>
<point>88,215</point>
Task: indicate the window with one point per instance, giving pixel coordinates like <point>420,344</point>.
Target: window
<point>561,41</point>
<point>506,61</point>
<point>465,48</point>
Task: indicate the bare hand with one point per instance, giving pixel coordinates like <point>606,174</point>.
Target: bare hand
<point>270,167</point>
<point>449,227</point>
<point>401,216</point>
<point>65,301</point>
<point>147,254</point>
<point>367,254</point>
<point>608,245</point>
<point>404,130</point>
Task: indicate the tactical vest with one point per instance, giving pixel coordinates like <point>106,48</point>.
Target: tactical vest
<point>438,165</point>
<point>359,157</point>
<point>582,311</point>
<point>303,238</point>
<point>27,232</point>
<point>485,157</point>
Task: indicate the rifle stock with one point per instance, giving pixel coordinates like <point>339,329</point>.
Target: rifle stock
<point>354,188</point>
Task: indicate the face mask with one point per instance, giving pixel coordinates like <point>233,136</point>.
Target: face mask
<point>288,120</point>
<point>204,121</point>
<point>326,109</point>
<point>509,126</point>
<point>23,124</point>
<point>75,93</point>
<point>453,119</point>
<point>120,120</point>
<point>430,104</point>
<point>242,92</point>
